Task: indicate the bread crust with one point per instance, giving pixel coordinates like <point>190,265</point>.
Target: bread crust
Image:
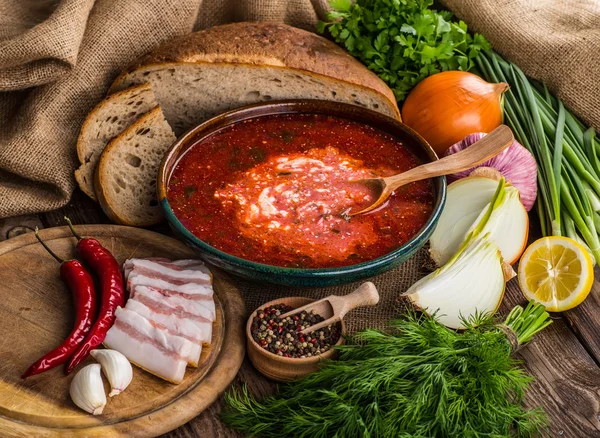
<point>104,162</point>
<point>88,123</point>
<point>267,44</point>
<point>89,119</point>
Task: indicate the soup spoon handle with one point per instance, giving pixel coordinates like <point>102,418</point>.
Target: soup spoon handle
<point>480,151</point>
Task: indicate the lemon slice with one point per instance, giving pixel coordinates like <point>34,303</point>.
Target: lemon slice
<point>557,272</point>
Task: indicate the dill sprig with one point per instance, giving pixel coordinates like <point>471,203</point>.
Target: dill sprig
<point>417,379</point>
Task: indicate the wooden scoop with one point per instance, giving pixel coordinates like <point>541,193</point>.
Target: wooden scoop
<point>334,308</point>
<point>480,151</point>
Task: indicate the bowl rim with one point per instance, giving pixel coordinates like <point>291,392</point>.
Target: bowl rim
<point>291,360</point>
<point>293,106</point>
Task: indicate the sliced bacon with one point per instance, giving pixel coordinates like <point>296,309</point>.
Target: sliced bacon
<point>159,303</point>
<point>190,291</point>
<point>204,308</point>
<point>173,273</point>
<point>194,332</point>
<point>186,264</point>
<point>177,265</point>
<point>172,304</point>
<point>148,346</point>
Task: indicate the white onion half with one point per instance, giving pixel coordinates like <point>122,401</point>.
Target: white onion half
<point>465,200</point>
<point>467,205</point>
<point>508,226</point>
<point>470,283</point>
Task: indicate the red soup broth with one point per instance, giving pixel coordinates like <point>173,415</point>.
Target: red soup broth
<point>277,190</point>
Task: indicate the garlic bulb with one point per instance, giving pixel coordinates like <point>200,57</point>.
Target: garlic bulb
<point>116,368</point>
<point>87,390</point>
<point>515,163</point>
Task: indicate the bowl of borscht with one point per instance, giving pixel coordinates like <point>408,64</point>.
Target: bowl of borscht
<point>266,192</point>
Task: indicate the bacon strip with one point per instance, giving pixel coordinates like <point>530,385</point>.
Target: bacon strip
<point>178,265</point>
<point>148,346</point>
<point>184,308</point>
<point>173,273</point>
<point>202,327</point>
<point>191,291</point>
<point>176,326</point>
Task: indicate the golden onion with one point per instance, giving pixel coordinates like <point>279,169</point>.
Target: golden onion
<point>448,106</point>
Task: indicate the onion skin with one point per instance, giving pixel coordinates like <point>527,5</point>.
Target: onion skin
<point>487,172</point>
<point>446,107</point>
<point>515,163</point>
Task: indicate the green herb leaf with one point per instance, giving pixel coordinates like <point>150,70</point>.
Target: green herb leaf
<point>189,191</point>
<point>321,25</point>
<point>402,41</point>
<point>406,28</point>
<point>341,5</point>
<point>418,379</point>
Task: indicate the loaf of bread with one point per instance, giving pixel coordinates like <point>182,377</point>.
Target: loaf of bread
<point>212,71</point>
<point>197,77</point>
<point>127,171</point>
<point>107,120</point>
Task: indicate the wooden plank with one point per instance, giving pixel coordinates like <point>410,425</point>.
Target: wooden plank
<point>584,320</point>
<point>17,225</point>
<point>38,317</point>
<point>81,210</point>
<point>567,379</point>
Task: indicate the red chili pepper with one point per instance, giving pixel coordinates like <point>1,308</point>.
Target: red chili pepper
<point>81,285</point>
<point>112,293</point>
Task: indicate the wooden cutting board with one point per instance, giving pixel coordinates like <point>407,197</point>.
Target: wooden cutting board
<point>36,314</point>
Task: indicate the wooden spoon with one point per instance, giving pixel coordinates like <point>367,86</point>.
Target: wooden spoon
<point>480,151</point>
<point>334,308</point>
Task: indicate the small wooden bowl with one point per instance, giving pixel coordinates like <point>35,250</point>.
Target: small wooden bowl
<point>286,369</point>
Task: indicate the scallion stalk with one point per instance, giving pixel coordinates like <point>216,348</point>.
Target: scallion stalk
<point>567,153</point>
<point>556,161</point>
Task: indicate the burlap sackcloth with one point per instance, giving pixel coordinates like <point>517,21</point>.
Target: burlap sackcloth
<point>57,58</point>
<point>389,285</point>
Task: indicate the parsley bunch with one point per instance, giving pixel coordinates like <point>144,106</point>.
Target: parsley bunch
<point>402,41</point>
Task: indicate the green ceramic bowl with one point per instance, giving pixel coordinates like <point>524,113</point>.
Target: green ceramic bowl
<point>294,276</point>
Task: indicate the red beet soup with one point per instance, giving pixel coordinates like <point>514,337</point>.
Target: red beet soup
<point>278,190</point>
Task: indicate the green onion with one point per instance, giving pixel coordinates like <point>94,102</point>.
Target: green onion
<point>566,151</point>
<point>556,164</point>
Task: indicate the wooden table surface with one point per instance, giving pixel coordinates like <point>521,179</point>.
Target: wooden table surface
<point>564,358</point>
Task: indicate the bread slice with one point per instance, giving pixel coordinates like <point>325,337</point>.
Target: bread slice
<point>126,175</point>
<point>208,72</point>
<point>107,120</point>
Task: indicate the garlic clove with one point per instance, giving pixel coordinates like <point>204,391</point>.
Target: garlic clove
<point>116,368</point>
<point>87,390</point>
